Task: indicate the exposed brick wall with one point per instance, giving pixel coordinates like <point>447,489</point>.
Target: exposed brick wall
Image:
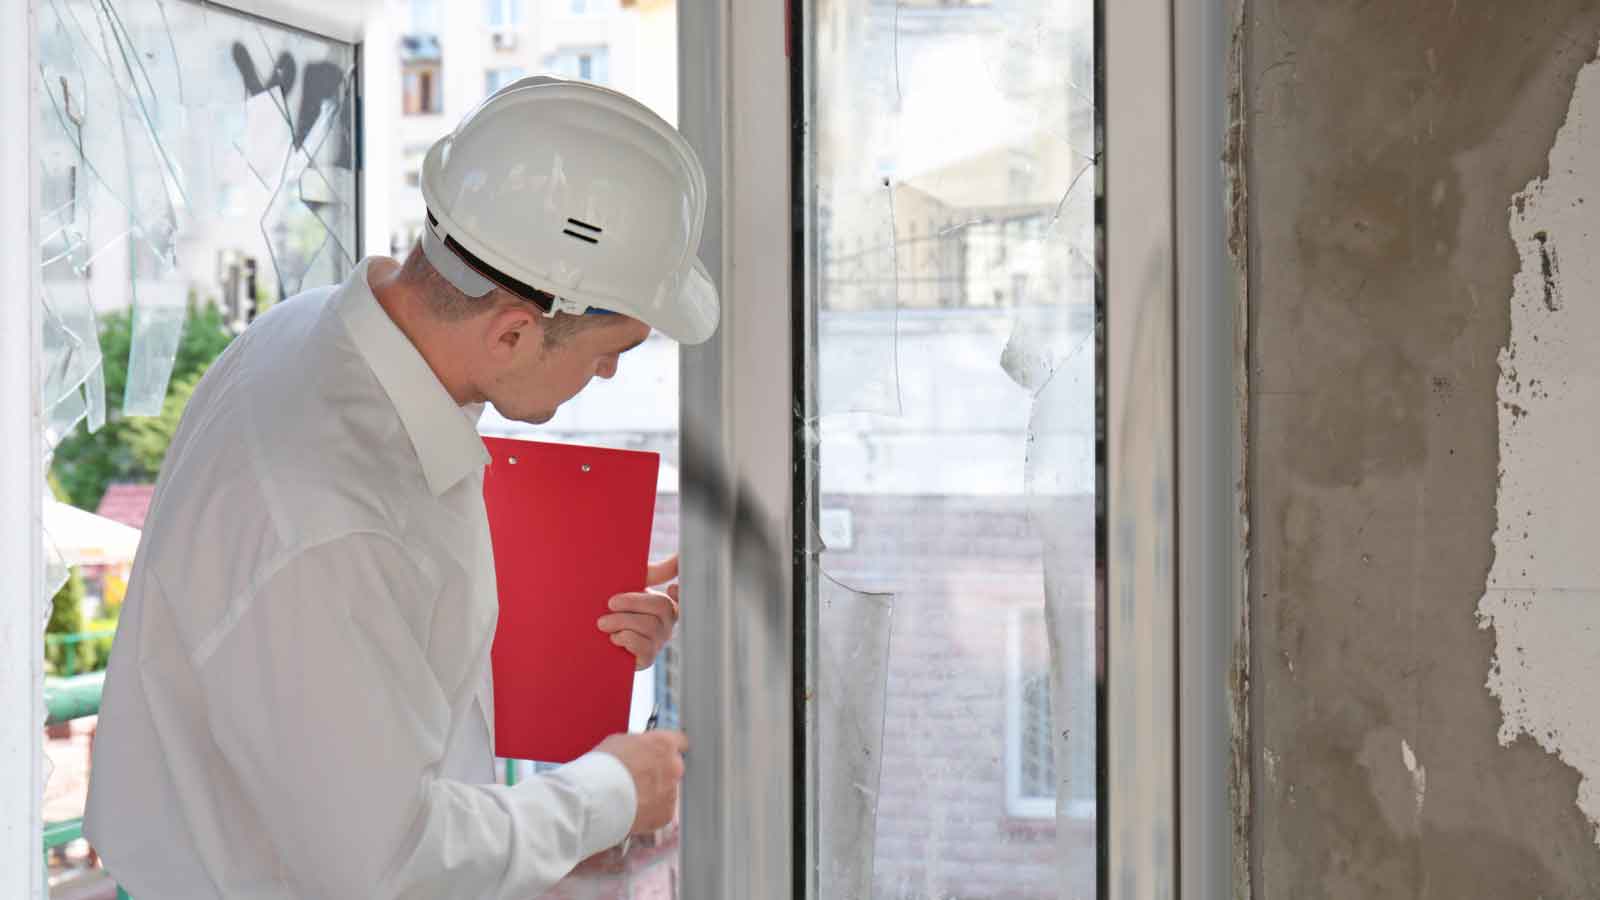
<point>956,565</point>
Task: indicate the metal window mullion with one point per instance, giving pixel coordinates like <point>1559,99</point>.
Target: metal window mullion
<point>1139,741</point>
<point>21,471</point>
<point>1210,524</point>
<point>737,475</point>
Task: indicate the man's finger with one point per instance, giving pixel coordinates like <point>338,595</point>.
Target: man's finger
<point>662,572</point>
<point>677,739</point>
<point>652,627</point>
<point>635,643</point>
<point>659,605</point>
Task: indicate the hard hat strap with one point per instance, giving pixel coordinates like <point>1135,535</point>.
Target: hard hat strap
<point>452,267</point>
<point>542,299</point>
<point>476,278</point>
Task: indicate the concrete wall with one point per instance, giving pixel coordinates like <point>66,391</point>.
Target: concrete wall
<point>1424,188</point>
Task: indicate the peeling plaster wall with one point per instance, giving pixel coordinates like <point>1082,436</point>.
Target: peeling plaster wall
<point>1543,600</point>
<point>1425,323</point>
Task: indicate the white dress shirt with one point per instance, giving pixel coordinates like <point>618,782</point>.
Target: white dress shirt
<point>299,702</point>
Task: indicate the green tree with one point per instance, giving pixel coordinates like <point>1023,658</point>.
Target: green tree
<point>131,449</point>
<point>148,438</point>
<point>66,616</point>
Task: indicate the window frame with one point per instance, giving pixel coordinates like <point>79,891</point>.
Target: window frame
<point>492,81</point>
<point>742,662</point>
<point>22,485</point>
<point>1019,805</point>
<point>22,872</point>
<point>597,56</point>
<point>511,12</point>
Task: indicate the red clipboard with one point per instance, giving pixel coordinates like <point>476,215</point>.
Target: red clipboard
<point>571,529</point>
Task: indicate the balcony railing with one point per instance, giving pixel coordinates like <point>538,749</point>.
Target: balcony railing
<point>67,699</point>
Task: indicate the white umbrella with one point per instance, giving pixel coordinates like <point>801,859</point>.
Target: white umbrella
<point>85,539</point>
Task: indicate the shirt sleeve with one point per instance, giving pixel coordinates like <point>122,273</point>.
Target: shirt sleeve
<point>322,702</point>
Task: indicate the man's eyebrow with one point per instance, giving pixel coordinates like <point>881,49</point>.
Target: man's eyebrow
<point>635,344</point>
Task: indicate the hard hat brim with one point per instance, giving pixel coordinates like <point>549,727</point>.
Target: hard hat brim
<point>693,320</point>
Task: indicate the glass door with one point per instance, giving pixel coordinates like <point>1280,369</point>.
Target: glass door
<point>949,434</point>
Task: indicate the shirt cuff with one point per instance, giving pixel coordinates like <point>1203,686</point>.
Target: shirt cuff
<point>610,796</point>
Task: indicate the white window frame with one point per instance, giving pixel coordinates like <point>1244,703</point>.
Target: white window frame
<point>22,871</point>
<point>739,699</point>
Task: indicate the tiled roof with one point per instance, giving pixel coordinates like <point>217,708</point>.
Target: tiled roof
<point>127,503</point>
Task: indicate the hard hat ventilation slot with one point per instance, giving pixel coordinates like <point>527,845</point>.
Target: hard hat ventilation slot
<point>587,238</point>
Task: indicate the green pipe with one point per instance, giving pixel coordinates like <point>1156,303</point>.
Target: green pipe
<point>66,699</point>
<point>60,834</point>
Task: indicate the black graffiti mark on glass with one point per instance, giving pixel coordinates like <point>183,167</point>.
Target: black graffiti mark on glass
<point>321,82</point>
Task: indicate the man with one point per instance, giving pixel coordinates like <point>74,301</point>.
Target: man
<point>299,704</point>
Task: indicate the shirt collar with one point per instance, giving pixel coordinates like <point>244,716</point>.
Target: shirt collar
<point>444,434</point>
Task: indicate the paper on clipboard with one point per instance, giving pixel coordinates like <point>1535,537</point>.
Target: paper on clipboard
<point>570,527</point>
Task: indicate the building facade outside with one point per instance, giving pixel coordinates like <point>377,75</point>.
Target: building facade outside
<point>453,54</point>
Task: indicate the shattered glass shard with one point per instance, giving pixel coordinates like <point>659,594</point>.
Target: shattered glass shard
<point>71,347</point>
<point>264,145</point>
<point>56,570</point>
<point>94,393</point>
<point>860,371</point>
<point>851,696</point>
<point>160,301</point>
<point>295,238</point>
<point>63,415</point>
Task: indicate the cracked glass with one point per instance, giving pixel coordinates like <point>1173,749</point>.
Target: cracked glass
<point>196,165</point>
<point>950,429</point>
<point>183,146</point>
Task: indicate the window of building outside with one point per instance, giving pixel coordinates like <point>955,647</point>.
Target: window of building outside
<point>578,7</point>
<point>952,416</point>
<point>1031,782</point>
<point>421,95</point>
<point>583,63</point>
<point>497,78</point>
<point>503,13</point>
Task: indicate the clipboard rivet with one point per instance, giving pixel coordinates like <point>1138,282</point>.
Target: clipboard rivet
<point>512,460</point>
<point>586,467</point>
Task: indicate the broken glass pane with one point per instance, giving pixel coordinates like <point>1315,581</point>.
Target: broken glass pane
<point>954,441</point>
<point>852,673</point>
<point>56,569</point>
<point>858,245</point>
<point>159,307</point>
<point>71,354</point>
<point>182,146</point>
<point>151,202</point>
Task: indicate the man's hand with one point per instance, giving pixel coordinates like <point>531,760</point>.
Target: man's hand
<point>655,760</point>
<point>642,623</point>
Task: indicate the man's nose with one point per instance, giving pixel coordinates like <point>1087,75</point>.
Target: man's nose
<point>607,369</point>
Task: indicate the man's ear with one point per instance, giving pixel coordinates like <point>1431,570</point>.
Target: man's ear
<point>510,326</point>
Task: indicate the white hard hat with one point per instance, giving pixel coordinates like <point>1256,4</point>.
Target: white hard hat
<point>577,198</point>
